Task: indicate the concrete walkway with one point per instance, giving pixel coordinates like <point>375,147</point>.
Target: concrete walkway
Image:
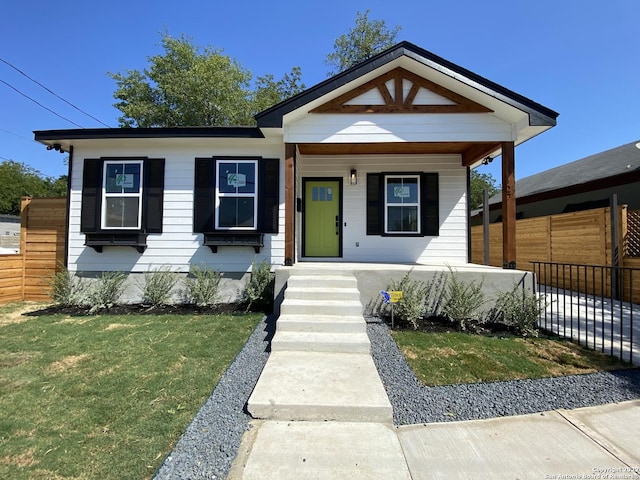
<point>322,413</point>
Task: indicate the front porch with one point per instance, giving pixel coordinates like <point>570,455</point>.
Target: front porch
<point>373,277</point>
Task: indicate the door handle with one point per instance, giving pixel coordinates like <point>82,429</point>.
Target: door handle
<point>337,224</point>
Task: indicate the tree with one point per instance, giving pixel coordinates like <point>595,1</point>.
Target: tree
<point>19,180</point>
<point>190,86</point>
<point>363,41</point>
<point>480,182</point>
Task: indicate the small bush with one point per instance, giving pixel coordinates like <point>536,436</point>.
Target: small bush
<point>411,306</point>
<point>259,290</point>
<point>518,309</point>
<point>202,286</point>
<point>436,290</point>
<point>106,292</point>
<point>66,290</point>
<point>157,286</point>
<point>463,301</point>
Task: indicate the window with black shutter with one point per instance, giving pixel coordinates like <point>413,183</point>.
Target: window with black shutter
<point>236,200</point>
<point>122,200</point>
<point>403,204</point>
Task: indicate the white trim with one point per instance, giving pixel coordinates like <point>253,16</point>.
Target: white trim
<point>105,195</point>
<point>416,204</point>
<point>220,194</point>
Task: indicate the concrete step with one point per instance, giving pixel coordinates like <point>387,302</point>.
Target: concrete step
<point>321,281</point>
<point>321,450</point>
<point>320,307</point>
<point>321,323</point>
<point>318,386</point>
<point>322,293</point>
<point>321,342</point>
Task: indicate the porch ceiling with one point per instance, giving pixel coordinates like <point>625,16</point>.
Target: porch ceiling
<point>471,152</point>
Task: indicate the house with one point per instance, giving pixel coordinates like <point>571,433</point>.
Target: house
<point>371,165</point>
<point>579,185</point>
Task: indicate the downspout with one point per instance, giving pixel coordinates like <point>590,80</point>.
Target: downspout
<point>66,224</point>
<point>468,214</point>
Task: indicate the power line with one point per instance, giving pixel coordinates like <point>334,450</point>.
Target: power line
<point>39,104</point>
<point>52,93</point>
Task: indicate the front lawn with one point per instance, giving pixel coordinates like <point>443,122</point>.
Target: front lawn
<point>105,396</point>
<point>444,358</point>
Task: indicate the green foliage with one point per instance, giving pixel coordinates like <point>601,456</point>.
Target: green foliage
<point>479,183</point>
<point>436,289</point>
<point>106,291</point>
<point>363,41</point>
<point>157,286</point>
<point>191,86</point>
<point>66,290</point>
<point>411,306</point>
<point>259,290</point>
<point>518,309</point>
<point>19,180</point>
<point>202,286</point>
<point>463,301</point>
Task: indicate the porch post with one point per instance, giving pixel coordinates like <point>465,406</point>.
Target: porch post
<point>289,204</point>
<point>508,206</point>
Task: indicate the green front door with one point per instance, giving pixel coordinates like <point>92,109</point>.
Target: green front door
<point>322,218</point>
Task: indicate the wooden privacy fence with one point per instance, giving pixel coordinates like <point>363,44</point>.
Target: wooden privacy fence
<point>23,276</point>
<point>579,238</point>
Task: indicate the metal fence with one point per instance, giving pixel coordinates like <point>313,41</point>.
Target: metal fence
<point>593,305</point>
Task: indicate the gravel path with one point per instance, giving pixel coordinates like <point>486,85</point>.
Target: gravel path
<point>209,445</point>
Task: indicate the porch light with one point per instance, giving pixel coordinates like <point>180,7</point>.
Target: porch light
<point>353,180</point>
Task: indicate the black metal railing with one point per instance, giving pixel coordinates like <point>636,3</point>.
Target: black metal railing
<point>596,306</point>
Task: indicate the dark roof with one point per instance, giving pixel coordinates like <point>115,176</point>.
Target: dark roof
<point>160,132</point>
<point>538,114</point>
<point>610,163</point>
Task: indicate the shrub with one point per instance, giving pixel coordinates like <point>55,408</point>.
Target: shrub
<point>411,306</point>
<point>463,301</point>
<point>259,290</point>
<point>66,290</point>
<point>518,309</point>
<point>436,289</point>
<point>157,286</point>
<point>106,292</point>
<point>202,286</point>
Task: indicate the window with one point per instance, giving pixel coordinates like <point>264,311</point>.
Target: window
<point>122,201</point>
<point>402,205</point>
<point>122,195</point>
<point>236,195</point>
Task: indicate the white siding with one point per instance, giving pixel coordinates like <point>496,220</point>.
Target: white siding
<point>416,127</point>
<point>177,246</point>
<point>451,244</point>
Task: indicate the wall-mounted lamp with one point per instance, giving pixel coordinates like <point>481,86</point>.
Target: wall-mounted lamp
<point>353,180</point>
<point>487,160</point>
<point>56,146</point>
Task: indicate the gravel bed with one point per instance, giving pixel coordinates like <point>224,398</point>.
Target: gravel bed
<point>209,444</point>
<point>414,403</point>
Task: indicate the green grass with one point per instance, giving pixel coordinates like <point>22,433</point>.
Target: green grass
<point>105,396</point>
<point>451,358</point>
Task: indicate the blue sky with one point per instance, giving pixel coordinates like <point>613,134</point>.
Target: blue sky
<point>577,57</point>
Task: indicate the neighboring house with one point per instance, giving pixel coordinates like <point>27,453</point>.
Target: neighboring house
<point>9,234</point>
<point>371,165</point>
<point>580,185</point>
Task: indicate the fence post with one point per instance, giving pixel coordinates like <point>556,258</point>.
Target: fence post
<point>24,222</point>
<point>485,224</point>
<point>615,251</point>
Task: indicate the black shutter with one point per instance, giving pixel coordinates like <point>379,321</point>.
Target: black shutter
<point>203,195</point>
<point>91,188</point>
<point>430,204</point>
<point>375,204</point>
<point>153,190</point>
<point>269,195</point>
